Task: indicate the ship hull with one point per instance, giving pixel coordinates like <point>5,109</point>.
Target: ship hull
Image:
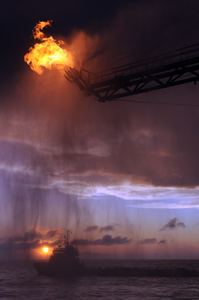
<point>47,269</point>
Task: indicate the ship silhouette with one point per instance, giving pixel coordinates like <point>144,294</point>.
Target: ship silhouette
<point>65,262</point>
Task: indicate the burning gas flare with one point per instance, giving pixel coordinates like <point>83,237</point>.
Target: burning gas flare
<point>48,53</point>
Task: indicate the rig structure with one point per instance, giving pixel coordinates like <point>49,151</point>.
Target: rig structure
<point>167,70</point>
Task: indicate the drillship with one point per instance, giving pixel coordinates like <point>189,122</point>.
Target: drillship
<point>65,262</point>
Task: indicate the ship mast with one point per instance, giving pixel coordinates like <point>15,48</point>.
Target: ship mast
<point>67,237</point>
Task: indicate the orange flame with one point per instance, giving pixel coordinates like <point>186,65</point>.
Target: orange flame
<point>48,53</point>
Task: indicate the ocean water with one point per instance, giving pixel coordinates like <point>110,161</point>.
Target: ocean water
<point>19,280</point>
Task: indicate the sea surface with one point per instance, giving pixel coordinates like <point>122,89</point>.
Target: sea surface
<point>19,280</point>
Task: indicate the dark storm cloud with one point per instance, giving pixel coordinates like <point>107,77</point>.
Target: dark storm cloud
<point>148,241</point>
<point>173,224</point>
<point>107,228</point>
<point>91,228</point>
<point>106,240</point>
<point>154,144</point>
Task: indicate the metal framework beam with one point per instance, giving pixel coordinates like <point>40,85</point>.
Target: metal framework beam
<point>174,68</point>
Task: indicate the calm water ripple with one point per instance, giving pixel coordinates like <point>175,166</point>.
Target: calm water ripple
<point>18,280</point>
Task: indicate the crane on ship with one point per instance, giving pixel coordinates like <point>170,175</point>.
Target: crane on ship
<point>174,68</point>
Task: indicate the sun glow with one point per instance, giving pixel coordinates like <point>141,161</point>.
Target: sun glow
<point>47,54</point>
<point>45,249</point>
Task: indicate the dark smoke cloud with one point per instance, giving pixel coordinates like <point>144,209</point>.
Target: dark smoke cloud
<point>154,144</point>
<point>148,241</point>
<point>106,240</point>
<point>173,224</point>
<point>153,155</point>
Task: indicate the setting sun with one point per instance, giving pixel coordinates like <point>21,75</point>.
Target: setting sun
<point>45,249</point>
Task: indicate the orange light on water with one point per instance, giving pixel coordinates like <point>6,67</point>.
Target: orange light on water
<point>47,54</point>
<point>45,249</point>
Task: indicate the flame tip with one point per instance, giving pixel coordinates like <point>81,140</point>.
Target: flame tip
<point>48,52</point>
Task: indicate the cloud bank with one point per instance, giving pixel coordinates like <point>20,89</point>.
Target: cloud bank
<point>106,240</point>
<point>32,239</point>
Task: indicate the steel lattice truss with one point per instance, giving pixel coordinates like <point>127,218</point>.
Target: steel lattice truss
<point>178,67</point>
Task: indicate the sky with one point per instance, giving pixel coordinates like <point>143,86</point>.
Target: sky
<point>123,177</point>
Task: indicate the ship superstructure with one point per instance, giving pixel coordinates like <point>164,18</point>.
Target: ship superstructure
<point>63,262</point>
